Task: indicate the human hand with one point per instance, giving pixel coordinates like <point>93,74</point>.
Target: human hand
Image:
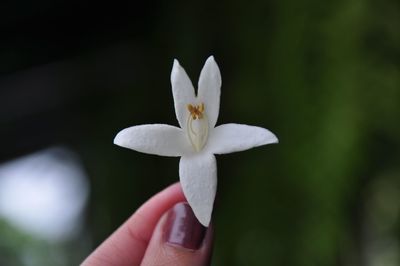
<point>163,231</point>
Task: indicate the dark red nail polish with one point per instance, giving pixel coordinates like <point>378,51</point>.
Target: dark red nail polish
<point>182,228</point>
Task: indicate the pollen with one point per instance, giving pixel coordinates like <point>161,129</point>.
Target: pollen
<point>196,111</point>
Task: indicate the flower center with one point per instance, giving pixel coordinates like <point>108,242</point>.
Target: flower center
<point>197,126</point>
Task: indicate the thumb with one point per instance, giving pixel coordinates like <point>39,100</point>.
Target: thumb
<point>179,239</point>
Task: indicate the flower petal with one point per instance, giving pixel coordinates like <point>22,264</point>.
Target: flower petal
<point>198,175</point>
<point>210,89</point>
<point>229,138</point>
<point>159,139</point>
<point>183,92</point>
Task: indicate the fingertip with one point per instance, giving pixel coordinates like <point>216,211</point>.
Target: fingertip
<point>127,245</point>
<point>179,239</point>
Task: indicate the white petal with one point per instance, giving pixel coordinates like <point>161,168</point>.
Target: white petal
<point>183,92</point>
<point>210,89</point>
<point>198,175</point>
<point>229,138</point>
<point>159,139</point>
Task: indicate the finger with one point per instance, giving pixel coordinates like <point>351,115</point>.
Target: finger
<point>127,245</point>
<point>179,239</point>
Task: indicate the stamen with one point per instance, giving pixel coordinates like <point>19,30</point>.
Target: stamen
<point>197,126</point>
<point>196,111</point>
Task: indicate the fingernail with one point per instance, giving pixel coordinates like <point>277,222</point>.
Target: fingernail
<point>182,228</point>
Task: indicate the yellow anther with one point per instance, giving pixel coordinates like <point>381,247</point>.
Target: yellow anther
<point>196,111</point>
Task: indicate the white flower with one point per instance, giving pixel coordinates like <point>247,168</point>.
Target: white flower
<point>197,139</point>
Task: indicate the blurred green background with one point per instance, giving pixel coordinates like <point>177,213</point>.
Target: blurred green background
<point>324,76</point>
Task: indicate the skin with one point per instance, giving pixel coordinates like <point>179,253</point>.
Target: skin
<point>140,240</point>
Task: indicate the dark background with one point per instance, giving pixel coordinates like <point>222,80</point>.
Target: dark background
<point>324,76</point>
